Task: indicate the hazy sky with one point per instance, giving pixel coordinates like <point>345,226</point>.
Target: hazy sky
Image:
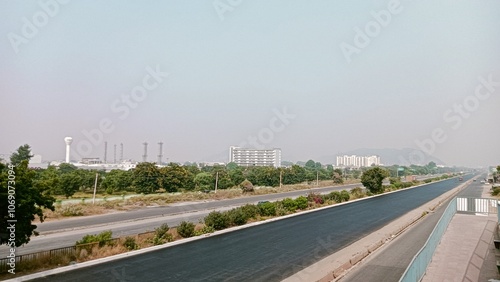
<point>314,78</point>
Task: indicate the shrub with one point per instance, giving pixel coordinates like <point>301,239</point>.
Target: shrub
<point>315,198</point>
<point>267,209</point>
<point>289,204</point>
<point>246,186</point>
<point>217,220</point>
<point>344,196</point>
<point>250,211</point>
<point>408,184</point>
<point>167,237</point>
<point>334,196</point>
<point>357,192</point>
<point>237,217</point>
<point>495,191</point>
<point>130,243</point>
<point>162,230</point>
<point>161,235</point>
<point>186,229</point>
<point>206,229</point>
<point>101,238</point>
<point>280,209</point>
<point>71,210</point>
<point>301,203</point>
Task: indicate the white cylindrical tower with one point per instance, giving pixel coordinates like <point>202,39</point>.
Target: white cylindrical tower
<point>68,141</point>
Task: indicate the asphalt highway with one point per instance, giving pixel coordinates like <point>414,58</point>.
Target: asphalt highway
<point>390,263</point>
<point>63,233</point>
<point>268,252</point>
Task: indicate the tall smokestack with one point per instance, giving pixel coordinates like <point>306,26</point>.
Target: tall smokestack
<point>68,141</point>
<point>145,156</point>
<point>105,152</point>
<point>121,152</point>
<point>160,155</point>
<point>114,155</point>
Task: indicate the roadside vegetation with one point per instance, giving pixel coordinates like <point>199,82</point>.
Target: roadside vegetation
<point>40,192</point>
<point>94,246</point>
<point>495,189</point>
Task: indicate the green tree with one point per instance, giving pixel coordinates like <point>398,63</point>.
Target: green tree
<point>372,179</point>
<point>294,174</point>
<point>310,164</point>
<point>236,175</point>
<point>224,180</point>
<point>48,179</point>
<point>67,168</point>
<point>23,153</point>
<point>175,177</point>
<point>146,178</point>
<point>204,181</point>
<point>70,183</point>
<point>20,200</point>
<point>232,166</point>
<point>117,180</point>
<point>87,179</point>
<point>337,176</point>
<point>264,176</point>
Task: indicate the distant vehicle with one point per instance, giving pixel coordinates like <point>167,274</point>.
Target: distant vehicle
<point>460,179</point>
<point>474,179</point>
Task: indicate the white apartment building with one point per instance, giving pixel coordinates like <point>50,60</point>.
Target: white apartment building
<point>255,157</point>
<point>357,161</point>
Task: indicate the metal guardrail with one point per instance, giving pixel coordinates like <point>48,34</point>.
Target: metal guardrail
<point>418,265</point>
<point>477,205</point>
<point>49,254</point>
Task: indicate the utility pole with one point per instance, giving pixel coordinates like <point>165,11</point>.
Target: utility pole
<point>281,177</point>
<point>216,180</point>
<point>95,187</point>
<point>317,178</point>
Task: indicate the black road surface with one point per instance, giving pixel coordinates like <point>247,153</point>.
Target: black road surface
<point>268,252</point>
<point>390,263</point>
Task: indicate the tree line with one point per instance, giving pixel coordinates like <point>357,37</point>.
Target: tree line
<point>147,178</point>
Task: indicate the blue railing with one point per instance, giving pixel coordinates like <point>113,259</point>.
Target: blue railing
<point>418,265</point>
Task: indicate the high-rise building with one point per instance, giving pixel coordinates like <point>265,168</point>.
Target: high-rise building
<point>255,157</point>
<point>357,161</point>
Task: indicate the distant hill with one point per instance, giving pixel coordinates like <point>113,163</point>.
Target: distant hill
<point>405,156</point>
